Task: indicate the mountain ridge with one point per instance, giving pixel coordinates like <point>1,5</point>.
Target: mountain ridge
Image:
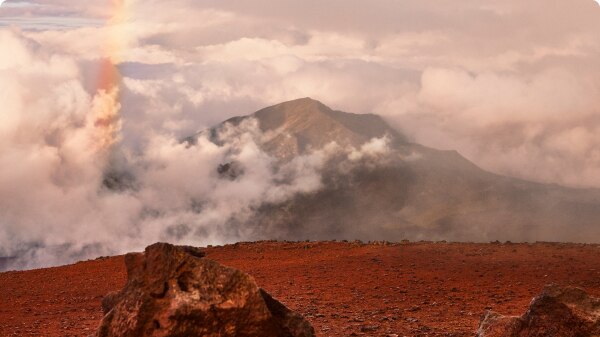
<point>305,124</point>
<point>417,192</point>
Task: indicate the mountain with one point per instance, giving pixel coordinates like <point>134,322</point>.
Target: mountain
<point>297,127</point>
<point>410,192</point>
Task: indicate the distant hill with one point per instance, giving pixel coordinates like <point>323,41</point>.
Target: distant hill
<point>412,192</point>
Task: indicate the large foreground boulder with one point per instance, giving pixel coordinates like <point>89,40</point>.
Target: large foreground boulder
<point>557,312</point>
<point>175,292</point>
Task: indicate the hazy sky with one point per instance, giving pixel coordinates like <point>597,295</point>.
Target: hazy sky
<point>513,85</point>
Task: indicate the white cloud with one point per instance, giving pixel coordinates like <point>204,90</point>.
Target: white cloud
<point>60,142</point>
<point>514,85</point>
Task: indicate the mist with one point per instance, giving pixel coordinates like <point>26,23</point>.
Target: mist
<point>90,169</point>
<point>72,189</point>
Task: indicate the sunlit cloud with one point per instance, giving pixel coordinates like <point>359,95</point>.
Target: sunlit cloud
<point>90,85</point>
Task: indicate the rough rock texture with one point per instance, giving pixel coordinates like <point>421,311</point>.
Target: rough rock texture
<point>174,291</point>
<point>560,312</point>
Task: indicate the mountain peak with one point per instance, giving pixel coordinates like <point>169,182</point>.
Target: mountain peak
<point>279,114</point>
<point>297,126</point>
<point>304,124</point>
<point>302,101</point>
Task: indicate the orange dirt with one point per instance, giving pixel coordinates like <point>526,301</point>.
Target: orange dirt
<point>344,289</point>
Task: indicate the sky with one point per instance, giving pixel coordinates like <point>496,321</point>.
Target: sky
<point>87,86</point>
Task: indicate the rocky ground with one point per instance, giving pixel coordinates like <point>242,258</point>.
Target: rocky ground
<point>344,289</point>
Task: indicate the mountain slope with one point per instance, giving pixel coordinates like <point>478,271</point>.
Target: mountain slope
<point>299,126</point>
<point>409,192</point>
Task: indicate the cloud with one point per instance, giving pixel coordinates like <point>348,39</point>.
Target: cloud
<point>512,85</point>
<point>69,189</point>
<point>55,141</point>
<point>374,148</point>
<point>540,127</point>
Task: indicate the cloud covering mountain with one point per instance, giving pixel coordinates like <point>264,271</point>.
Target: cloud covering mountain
<point>512,85</point>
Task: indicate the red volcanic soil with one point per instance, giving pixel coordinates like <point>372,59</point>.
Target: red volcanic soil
<point>344,289</point>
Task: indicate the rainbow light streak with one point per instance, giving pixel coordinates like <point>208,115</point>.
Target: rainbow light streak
<point>106,116</point>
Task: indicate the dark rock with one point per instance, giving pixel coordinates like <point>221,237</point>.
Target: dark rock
<point>564,312</point>
<point>119,180</point>
<point>230,171</point>
<point>174,291</point>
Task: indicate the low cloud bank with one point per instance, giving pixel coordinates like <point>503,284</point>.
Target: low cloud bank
<point>70,189</point>
<point>512,85</point>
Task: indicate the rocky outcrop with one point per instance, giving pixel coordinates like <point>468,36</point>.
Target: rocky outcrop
<point>564,312</point>
<point>174,291</point>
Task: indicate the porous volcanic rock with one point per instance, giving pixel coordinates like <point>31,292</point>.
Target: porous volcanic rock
<point>174,291</point>
<point>561,312</point>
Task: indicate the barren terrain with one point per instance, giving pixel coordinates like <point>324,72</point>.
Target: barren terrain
<point>343,288</point>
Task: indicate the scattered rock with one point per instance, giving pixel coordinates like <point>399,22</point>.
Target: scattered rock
<point>564,312</point>
<point>174,291</point>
